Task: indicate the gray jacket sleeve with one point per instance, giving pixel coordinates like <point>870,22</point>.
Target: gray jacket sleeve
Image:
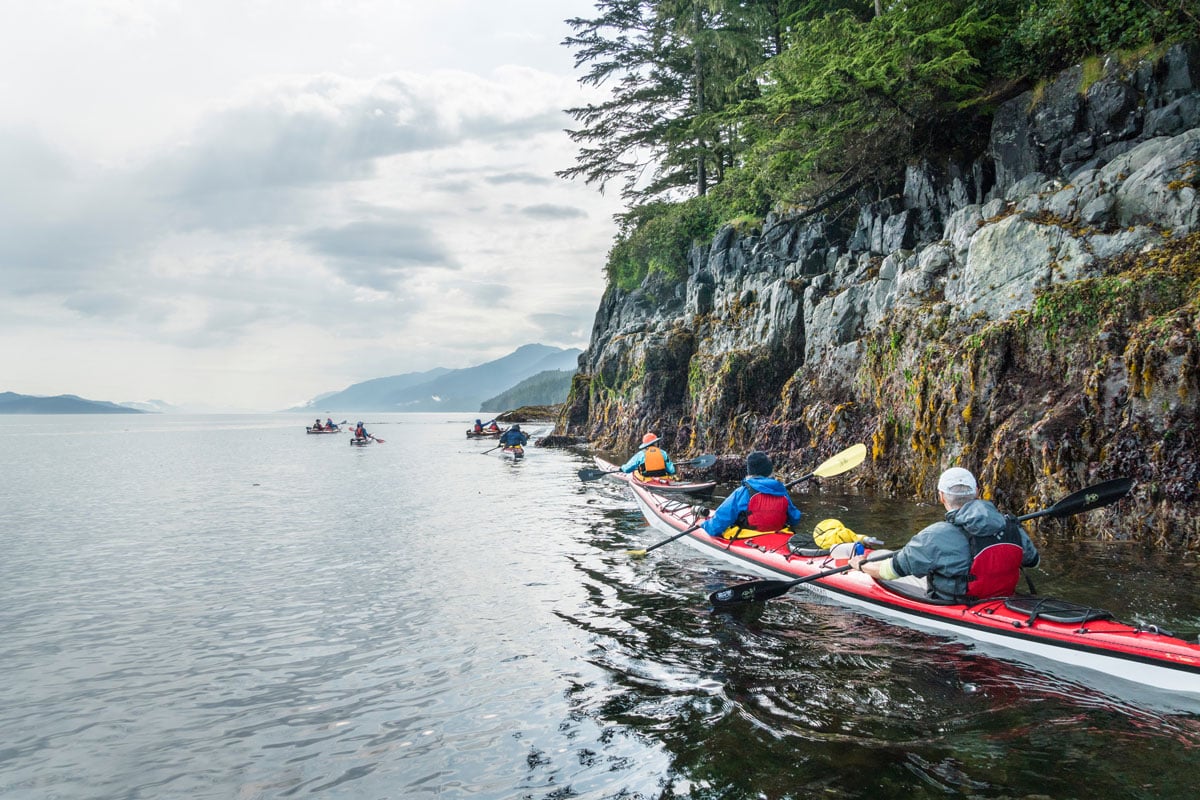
<point>938,548</point>
<point>1031,556</point>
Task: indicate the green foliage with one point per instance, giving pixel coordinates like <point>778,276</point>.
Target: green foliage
<point>657,238</point>
<point>849,100</point>
<point>1063,31</point>
<point>671,64</point>
<point>749,106</point>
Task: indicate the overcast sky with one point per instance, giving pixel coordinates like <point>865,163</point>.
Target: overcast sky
<point>243,204</point>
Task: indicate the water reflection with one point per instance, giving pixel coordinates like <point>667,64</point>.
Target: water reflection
<point>799,697</point>
<point>227,608</point>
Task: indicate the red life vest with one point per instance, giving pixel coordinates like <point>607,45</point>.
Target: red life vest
<point>654,464</point>
<point>995,563</point>
<point>766,512</point>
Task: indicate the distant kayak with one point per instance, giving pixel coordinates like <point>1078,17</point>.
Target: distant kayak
<point>484,435</point>
<point>664,485</point>
<point>311,429</point>
<point>359,441</point>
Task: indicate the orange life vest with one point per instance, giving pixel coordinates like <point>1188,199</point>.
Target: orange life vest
<point>654,464</point>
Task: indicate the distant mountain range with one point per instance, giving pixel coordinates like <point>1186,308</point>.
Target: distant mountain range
<point>12,403</point>
<point>447,389</point>
<point>535,374</point>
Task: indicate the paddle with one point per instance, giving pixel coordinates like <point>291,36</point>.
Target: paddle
<point>844,461</point>
<point>699,462</point>
<point>848,459</point>
<point>679,535</point>
<point>1101,494</point>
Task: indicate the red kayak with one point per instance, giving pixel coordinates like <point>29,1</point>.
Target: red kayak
<point>1051,629</point>
<point>666,485</point>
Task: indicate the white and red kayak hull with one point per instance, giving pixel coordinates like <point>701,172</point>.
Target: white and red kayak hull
<point>1139,654</point>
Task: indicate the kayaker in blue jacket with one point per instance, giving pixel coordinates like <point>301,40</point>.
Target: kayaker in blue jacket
<point>976,552</point>
<point>513,436</point>
<point>760,504</point>
<point>649,460</point>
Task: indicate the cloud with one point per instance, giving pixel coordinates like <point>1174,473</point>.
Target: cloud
<point>564,328</point>
<point>528,178</point>
<point>552,212</point>
<point>414,218</point>
<point>376,254</point>
<point>329,128</point>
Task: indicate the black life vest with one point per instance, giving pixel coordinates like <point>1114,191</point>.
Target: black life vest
<point>995,562</point>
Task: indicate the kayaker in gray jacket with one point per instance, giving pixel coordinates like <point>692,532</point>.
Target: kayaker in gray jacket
<point>940,557</point>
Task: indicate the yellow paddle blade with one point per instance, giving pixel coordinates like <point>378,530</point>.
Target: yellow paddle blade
<point>636,552</point>
<point>848,459</point>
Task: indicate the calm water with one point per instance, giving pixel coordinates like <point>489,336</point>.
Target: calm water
<point>225,607</point>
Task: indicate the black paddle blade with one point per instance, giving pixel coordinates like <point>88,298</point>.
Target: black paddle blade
<point>1097,496</point>
<point>750,592</point>
<point>592,474</point>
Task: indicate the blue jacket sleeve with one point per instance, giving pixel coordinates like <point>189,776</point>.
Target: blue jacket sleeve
<point>727,513</point>
<point>794,514</point>
<point>634,462</point>
<point>670,463</point>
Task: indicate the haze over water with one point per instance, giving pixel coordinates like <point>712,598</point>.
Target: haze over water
<point>226,607</point>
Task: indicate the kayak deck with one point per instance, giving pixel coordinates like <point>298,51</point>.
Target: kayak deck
<point>1142,654</point>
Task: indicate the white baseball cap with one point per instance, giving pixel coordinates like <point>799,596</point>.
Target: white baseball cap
<point>956,476</point>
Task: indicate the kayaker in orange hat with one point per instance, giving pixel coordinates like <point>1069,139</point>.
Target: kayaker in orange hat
<point>650,460</point>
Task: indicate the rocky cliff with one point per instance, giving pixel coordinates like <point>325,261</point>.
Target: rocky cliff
<point>1030,313</point>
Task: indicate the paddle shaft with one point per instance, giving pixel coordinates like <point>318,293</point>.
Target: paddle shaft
<point>766,589</point>
<point>679,535</point>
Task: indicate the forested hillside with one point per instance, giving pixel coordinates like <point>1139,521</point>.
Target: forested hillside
<point>721,111</point>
